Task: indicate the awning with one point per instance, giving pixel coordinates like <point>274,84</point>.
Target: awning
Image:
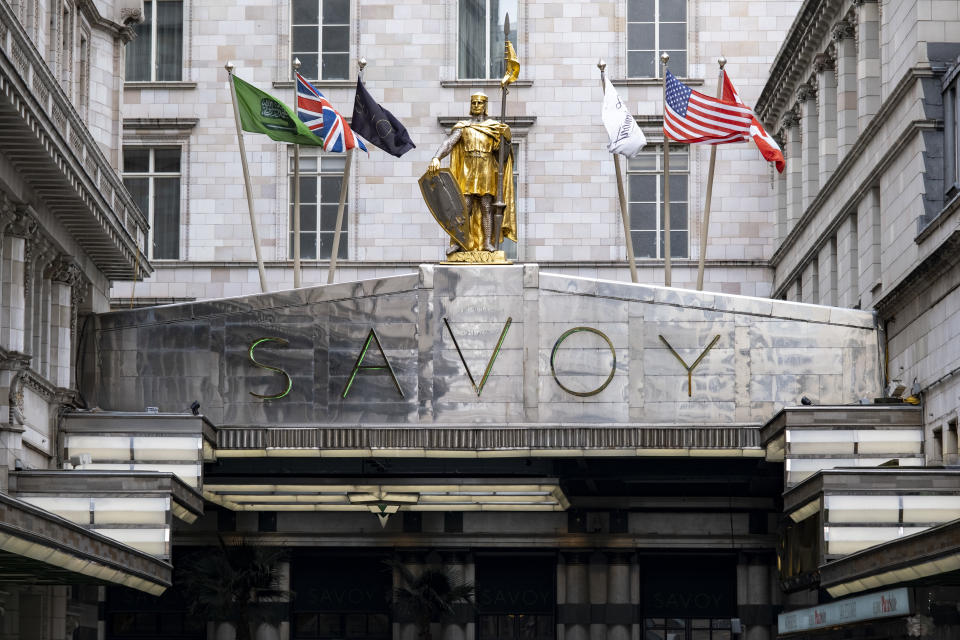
<point>37,547</point>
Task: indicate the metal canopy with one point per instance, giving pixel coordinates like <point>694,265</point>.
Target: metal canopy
<point>37,547</point>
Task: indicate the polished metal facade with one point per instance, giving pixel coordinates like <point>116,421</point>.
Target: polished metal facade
<point>752,356</point>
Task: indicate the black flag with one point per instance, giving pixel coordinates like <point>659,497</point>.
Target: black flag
<point>377,125</point>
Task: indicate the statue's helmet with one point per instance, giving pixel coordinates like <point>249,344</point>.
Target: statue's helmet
<point>479,95</point>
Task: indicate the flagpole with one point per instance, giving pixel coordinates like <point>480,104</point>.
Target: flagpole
<point>343,196</point>
<point>624,212</point>
<point>296,189</point>
<point>705,225</point>
<point>246,178</point>
<point>665,58</point>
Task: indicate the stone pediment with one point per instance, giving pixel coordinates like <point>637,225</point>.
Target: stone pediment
<point>497,346</point>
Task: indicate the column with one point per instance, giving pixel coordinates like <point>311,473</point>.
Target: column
<point>753,596</point>
<point>598,594</point>
<point>868,241</point>
<point>780,187</point>
<point>868,61</point>
<point>794,177</point>
<point>577,593</point>
<point>15,228</point>
<point>848,271</point>
<point>846,87</point>
<point>810,143</point>
<point>823,64</point>
<point>454,563</point>
<point>619,611</point>
<point>63,277</point>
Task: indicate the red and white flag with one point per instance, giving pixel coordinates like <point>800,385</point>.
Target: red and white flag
<point>769,148</point>
<point>695,118</point>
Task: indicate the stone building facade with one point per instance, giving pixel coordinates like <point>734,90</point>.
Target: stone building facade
<point>568,212</point>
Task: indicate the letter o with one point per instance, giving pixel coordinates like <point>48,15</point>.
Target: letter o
<point>553,355</point>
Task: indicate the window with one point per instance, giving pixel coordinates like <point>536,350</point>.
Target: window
<point>153,178</point>
<point>321,38</point>
<point>654,26</point>
<point>687,629</point>
<point>519,626</point>
<point>951,109</point>
<point>320,180</point>
<point>156,54</point>
<point>480,37</point>
<point>645,175</point>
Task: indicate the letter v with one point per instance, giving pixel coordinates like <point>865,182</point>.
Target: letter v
<point>493,356</point>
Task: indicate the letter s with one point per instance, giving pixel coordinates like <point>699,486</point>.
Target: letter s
<point>253,346</point>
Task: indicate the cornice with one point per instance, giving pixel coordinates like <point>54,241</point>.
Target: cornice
<point>812,23</point>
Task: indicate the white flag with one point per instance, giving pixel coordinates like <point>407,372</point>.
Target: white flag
<point>625,136</point>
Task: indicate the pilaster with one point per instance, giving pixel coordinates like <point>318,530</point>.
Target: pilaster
<point>793,182</point>
<point>846,68</point>
<point>810,143</point>
<point>868,61</point>
<point>824,66</point>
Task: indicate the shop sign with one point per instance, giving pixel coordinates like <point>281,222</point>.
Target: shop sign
<point>883,604</point>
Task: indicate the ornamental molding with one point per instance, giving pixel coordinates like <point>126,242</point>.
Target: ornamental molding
<point>842,30</point>
<point>806,91</point>
<point>65,270</point>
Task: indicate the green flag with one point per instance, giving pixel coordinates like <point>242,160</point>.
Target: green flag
<point>262,113</point>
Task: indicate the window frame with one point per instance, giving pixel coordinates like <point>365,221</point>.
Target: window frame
<point>515,29</point>
<point>151,175</point>
<point>657,66</point>
<point>951,131</point>
<point>320,25</point>
<point>656,151</point>
<point>318,174</point>
<point>154,45</point>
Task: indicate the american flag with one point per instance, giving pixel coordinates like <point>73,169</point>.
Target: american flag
<point>323,120</point>
<point>694,118</point>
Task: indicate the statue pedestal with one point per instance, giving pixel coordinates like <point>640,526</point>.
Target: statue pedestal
<point>477,257</point>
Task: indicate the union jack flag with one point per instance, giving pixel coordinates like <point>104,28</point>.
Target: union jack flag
<point>323,120</point>
<point>694,118</point>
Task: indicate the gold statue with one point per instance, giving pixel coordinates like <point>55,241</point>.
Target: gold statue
<point>473,146</point>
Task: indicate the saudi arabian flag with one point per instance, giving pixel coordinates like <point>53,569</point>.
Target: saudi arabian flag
<point>262,113</point>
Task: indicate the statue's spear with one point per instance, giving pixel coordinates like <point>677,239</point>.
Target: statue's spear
<point>511,71</point>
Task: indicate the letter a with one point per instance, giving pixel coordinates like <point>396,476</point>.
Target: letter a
<point>357,368</point>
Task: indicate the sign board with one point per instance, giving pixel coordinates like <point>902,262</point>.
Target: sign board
<point>883,604</point>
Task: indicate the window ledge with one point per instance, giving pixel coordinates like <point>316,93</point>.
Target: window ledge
<point>319,84</point>
<point>160,123</point>
<point>937,222</point>
<point>160,85</point>
<point>481,84</point>
<point>653,82</point>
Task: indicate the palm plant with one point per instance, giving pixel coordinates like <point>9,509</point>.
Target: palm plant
<point>429,596</point>
<point>230,583</point>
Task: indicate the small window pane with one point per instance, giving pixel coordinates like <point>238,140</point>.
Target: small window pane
<point>678,63</point>
<point>336,39</point>
<point>330,188</point>
<point>336,11</point>
<point>641,10</point>
<point>306,12</point>
<point>643,188</point>
<point>328,217</point>
<point>678,185</point>
<point>640,64</point>
<point>166,218</point>
<point>643,244</point>
<point>644,161</point>
<point>169,40</point>
<point>678,216</point>
<point>673,37</point>
<point>332,163</point>
<point>643,215</point>
<point>673,10</point>
<point>308,189</point>
<point>136,160</point>
<point>641,36</point>
<point>678,244</point>
<point>308,217</point>
<point>139,50</point>
<point>308,67</point>
<point>166,160</point>
<point>336,65</point>
<point>139,188</point>
<point>306,39</point>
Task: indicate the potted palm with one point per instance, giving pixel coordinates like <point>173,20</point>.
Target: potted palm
<point>429,596</point>
<point>231,583</point>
